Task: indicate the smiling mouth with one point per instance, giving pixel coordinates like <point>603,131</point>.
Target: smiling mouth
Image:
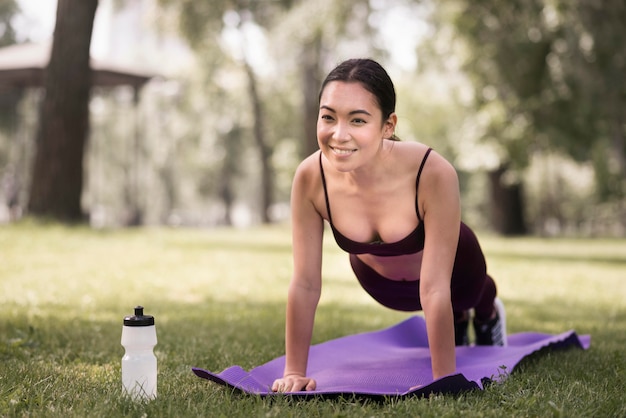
<point>340,151</point>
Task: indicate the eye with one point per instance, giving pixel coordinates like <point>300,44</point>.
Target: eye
<point>359,121</point>
<point>326,117</point>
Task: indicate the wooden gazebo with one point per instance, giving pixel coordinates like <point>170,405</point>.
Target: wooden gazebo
<point>24,65</point>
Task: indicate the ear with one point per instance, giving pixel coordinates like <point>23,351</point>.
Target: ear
<point>389,126</point>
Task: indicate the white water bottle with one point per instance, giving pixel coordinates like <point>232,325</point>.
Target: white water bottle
<point>139,364</point>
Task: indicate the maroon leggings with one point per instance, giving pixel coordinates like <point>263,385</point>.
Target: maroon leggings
<point>471,286</point>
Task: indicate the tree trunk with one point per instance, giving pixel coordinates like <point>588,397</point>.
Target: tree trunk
<point>228,172</point>
<point>507,202</point>
<point>226,194</point>
<point>267,173</point>
<point>57,180</point>
<point>311,58</point>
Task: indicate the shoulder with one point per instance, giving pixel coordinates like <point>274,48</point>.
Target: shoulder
<point>307,197</point>
<point>436,167</point>
<point>438,181</point>
<point>308,173</point>
<point>439,186</point>
<point>306,188</point>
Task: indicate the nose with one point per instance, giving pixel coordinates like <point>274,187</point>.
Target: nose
<point>341,132</point>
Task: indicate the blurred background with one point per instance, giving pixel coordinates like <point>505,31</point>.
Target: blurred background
<point>196,113</point>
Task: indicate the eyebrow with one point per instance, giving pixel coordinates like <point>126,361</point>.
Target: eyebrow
<point>353,112</point>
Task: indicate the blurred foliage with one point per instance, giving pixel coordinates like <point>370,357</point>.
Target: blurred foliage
<point>549,75</point>
<point>8,99</point>
<point>534,85</point>
<point>8,10</point>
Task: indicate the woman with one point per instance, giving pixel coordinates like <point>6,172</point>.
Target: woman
<point>394,207</point>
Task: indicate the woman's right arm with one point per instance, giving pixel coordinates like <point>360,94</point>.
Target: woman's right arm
<point>306,282</point>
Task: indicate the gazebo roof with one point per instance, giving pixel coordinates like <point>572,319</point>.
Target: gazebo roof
<point>24,65</point>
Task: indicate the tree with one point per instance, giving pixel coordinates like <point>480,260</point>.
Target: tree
<point>8,9</point>
<point>10,175</point>
<point>549,76</point>
<point>329,24</point>
<point>9,97</point>
<point>304,51</point>
<point>64,119</point>
<point>593,60</point>
<point>507,64</point>
<point>201,23</point>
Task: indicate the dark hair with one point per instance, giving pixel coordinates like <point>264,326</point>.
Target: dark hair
<point>372,76</point>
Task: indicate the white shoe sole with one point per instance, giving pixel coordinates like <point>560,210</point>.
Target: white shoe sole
<point>502,313</point>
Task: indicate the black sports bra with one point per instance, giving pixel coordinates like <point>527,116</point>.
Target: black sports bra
<point>411,244</point>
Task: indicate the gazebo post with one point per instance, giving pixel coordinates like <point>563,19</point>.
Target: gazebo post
<point>23,66</point>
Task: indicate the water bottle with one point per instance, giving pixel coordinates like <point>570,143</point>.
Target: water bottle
<point>139,364</point>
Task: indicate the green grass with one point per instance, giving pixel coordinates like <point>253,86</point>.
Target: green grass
<point>218,297</point>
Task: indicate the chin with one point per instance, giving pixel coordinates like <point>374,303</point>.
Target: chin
<point>342,165</point>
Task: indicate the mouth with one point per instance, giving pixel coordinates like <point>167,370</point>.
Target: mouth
<point>342,151</point>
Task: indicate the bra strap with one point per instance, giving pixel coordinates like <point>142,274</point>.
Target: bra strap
<point>417,183</point>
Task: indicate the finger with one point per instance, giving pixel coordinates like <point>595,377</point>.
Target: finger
<point>311,385</point>
<point>278,386</point>
<point>295,387</point>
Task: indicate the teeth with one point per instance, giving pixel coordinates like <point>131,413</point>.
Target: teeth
<point>342,151</point>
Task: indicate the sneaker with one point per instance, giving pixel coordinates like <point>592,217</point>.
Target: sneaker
<point>460,331</point>
<point>492,332</point>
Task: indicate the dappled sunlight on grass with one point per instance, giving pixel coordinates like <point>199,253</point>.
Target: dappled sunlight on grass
<point>88,268</point>
<point>559,283</point>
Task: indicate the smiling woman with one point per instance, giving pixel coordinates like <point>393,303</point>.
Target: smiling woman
<point>384,195</point>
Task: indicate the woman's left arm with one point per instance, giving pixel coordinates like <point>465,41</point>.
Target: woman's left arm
<point>440,196</point>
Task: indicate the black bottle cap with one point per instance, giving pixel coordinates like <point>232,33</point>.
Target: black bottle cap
<point>139,319</point>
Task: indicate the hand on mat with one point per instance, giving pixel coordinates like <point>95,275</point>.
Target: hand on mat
<point>293,383</point>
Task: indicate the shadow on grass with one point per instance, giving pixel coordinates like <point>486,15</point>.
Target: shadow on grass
<point>554,314</point>
<point>217,334</point>
<point>211,334</point>
<point>74,360</point>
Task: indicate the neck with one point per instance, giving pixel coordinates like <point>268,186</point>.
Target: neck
<point>375,170</point>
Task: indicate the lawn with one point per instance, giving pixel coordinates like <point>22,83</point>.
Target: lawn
<point>218,298</point>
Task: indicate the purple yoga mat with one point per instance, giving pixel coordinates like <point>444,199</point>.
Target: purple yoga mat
<point>394,362</point>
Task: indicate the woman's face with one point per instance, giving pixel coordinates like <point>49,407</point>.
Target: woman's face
<point>350,126</point>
